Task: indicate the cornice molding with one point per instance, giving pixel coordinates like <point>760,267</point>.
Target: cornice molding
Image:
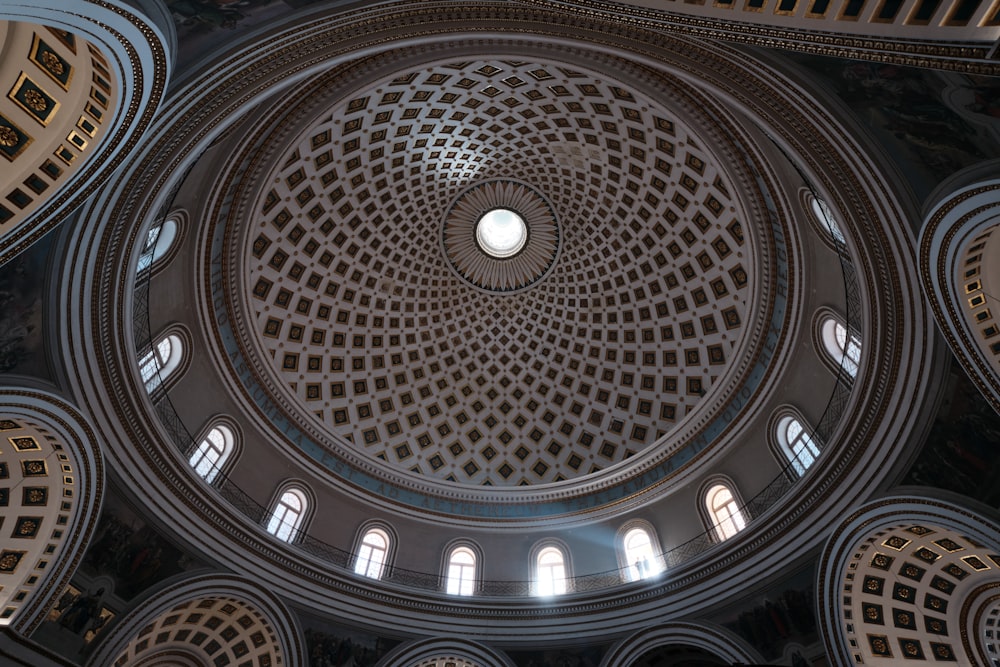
<point>140,60</point>
<point>885,409</point>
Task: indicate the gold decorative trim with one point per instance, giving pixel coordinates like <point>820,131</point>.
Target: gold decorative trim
<point>49,61</point>
<point>13,140</point>
<point>34,100</point>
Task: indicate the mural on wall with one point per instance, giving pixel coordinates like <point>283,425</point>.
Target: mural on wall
<point>783,615</point>
<point>978,99</point>
<point>81,612</point>
<point>131,553</point>
<point>569,657</point>
<point>962,452</point>
<point>203,25</point>
<point>22,280</point>
<point>923,125</point>
<point>126,557</point>
<point>329,645</point>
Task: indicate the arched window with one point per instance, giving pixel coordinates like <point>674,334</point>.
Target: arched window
<point>287,515</point>
<point>796,444</point>
<point>212,452</point>
<point>842,346</point>
<point>550,572</point>
<point>161,360</point>
<point>640,556</point>
<point>724,511</point>
<point>827,219</point>
<point>372,554</point>
<point>461,577</point>
<point>159,239</point>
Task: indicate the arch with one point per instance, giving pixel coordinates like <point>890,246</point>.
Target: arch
<point>374,549</point>
<point>163,362</point>
<point>792,440</point>
<point>839,343</point>
<point>551,573</point>
<point>162,241</point>
<point>39,426</point>
<point>421,651</point>
<point>136,56</point>
<point>705,636</point>
<point>905,576</point>
<point>216,450</point>
<point>292,506</point>
<point>462,568</point>
<point>721,508</point>
<point>957,252</point>
<point>243,607</point>
<point>640,555</point>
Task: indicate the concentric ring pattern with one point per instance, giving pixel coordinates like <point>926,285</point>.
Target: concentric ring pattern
<point>375,334</point>
<point>522,269</point>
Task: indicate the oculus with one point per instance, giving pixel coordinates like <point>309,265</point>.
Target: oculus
<point>501,236</point>
<point>501,233</point>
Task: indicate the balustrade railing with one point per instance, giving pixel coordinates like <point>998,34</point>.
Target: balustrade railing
<point>244,503</point>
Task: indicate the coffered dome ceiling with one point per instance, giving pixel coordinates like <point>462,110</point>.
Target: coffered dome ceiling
<point>385,321</point>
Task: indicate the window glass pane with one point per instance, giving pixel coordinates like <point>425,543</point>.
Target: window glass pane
<point>804,455</point>
<point>372,554</point>
<point>725,512</point>
<point>639,555</point>
<point>212,452</point>
<point>285,518</point>
<point>848,348</point>
<point>159,240</point>
<point>797,445</point>
<point>148,367</point>
<point>461,572</point>
<point>844,348</point>
<point>158,363</point>
<point>822,211</point>
<point>551,572</point>
<point>163,349</point>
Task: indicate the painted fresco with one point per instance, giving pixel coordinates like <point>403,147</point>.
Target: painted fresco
<point>126,557</point>
<point>204,25</point>
<point>568,657</point>
<point>329,645</point>
<point>770,621</point>
<point>22,280</point>
<point>977,98</point>
<point>962,452</point>
<point>931,124</point>
<point>131,553</point>
<point>81,612</point>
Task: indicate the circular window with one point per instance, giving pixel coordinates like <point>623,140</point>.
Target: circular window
<point>501,232</point>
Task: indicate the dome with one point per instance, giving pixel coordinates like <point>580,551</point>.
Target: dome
<point>526,333</point>
<point>374,319</point>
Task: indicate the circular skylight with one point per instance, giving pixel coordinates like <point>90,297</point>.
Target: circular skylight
<point>501,232</point>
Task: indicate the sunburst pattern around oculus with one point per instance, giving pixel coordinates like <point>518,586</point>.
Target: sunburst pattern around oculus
<point>520,269</point>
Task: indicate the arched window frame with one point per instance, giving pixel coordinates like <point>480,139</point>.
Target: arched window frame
<point>162,241</point>
<point>159,372</point>
<point>843,357</point>
<point>826,221</point>
<point>362,559</point>
<point>712,522</point>
<point>540,583</point>
<point>453,586</point>
<point>297,528</point>
<point>630,569</point>
<point>784,451</point>
<point>232,449</point>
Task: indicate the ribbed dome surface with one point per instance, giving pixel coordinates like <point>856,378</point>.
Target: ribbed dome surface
<point>607,348</point>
